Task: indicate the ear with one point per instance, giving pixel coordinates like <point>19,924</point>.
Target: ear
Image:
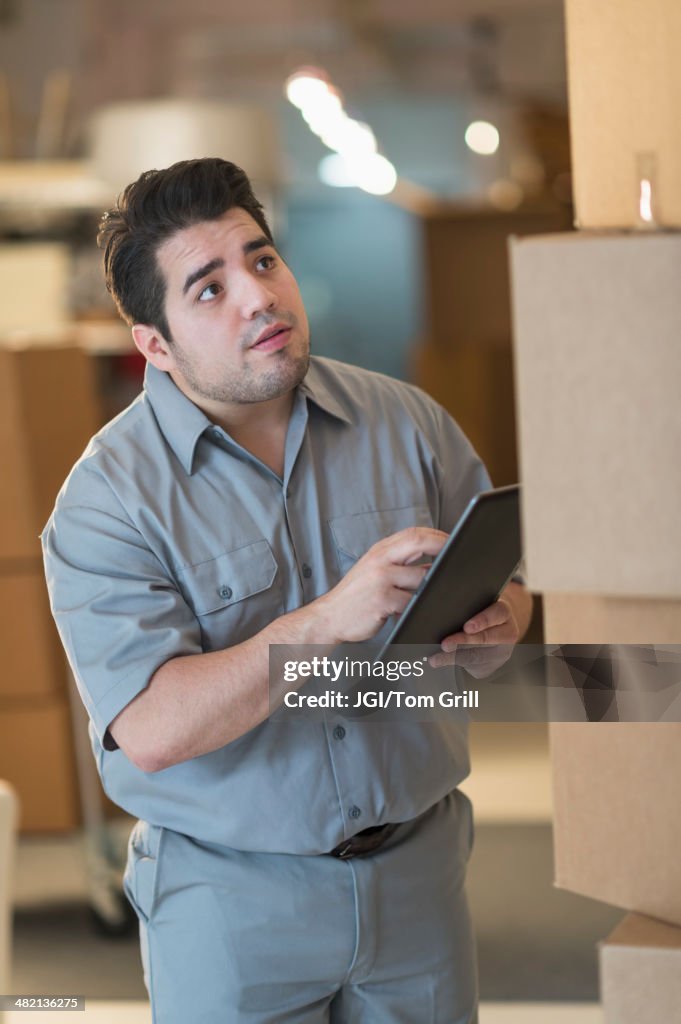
<point>153,346</point>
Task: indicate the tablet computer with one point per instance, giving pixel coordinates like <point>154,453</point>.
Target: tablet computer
<point>480,556</point>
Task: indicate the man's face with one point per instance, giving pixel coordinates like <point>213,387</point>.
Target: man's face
<point>239,329</point>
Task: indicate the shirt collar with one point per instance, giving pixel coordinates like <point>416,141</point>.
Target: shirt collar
<point>314,387</point>
<point>182,423</point>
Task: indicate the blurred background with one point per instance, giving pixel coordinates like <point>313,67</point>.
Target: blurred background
<point>450,135</point>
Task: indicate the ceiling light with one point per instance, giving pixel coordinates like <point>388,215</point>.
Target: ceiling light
<point>369,171</point>
<point>482,137</point>
<point>374,174</point>
<point>357,161</point>
<point>333,170</point>
<point>349,137</point>
<point>321,111</point>
<point>306,87</point>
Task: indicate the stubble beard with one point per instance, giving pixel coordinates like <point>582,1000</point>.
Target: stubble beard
<point>283,375</point>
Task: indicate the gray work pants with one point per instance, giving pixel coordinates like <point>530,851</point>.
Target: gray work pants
<point>257,938</point>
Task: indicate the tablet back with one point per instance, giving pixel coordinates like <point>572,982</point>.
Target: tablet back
<point>482,553</point>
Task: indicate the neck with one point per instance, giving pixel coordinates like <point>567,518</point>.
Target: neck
<point>255,417</point>
<point>259,427</point>
<point>263,434</point>
<point>242,417</point>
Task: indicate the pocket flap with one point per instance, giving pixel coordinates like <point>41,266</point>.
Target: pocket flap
<point>355,534</point>
<point>229,578</point>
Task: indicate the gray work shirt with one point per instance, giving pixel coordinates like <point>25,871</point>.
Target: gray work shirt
<point>168,538</point>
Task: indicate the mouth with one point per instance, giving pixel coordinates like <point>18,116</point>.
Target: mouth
<point>272,339</point>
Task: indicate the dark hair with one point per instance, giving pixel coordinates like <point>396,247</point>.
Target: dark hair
<point>152,209</point>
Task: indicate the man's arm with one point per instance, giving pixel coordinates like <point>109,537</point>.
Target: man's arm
<point>197,703</point>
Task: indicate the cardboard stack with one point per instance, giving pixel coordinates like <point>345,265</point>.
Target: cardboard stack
<point>597,322</point>
<point>624,82</point>
<point>47,413</point>
<point>641,972</point>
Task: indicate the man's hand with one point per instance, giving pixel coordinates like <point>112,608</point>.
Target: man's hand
<point>380,584</point>
<point>493,632</point>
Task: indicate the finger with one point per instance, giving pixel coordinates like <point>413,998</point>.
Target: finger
<point>495,615</point>
<point>407,577</point>
<point>504,634</point>
<point>450,642</point>
<point>413,543</point>
<point>481,662</point>
<point>398,599</point>
<point>441,660</point>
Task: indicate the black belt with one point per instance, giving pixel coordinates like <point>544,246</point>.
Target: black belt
<point>366,841</point>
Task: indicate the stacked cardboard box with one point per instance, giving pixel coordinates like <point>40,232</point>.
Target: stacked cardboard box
<point>47,413</point>
<point>617,828</point>
<point>641,972</point>
<point>598,361</point>
<point>624,82</point>
<point>597,321</point>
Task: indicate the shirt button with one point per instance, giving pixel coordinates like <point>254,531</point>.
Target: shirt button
<point>225,592</point>
<point>307,572</point>
<point>355,811</point>
<point>339,733</point>
<point>288,492</point>
<point>217,433</point>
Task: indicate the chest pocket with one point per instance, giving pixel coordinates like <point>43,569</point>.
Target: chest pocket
<point>354,534</point>
<point>234,595</point>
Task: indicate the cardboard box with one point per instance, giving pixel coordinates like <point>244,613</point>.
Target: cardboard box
<point>640,966</point>
<point>624,87</point>
<point>589,619</point>
<point>37,758</point>
<point>33,661</point>
<point>623,685</point>
<point>617,826</point>
<point>597,322</point>
<point>48,412</point>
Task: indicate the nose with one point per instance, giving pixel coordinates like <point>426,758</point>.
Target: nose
<point>256,297</point>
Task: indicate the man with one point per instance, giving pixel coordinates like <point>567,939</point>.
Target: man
<point>250,496</point>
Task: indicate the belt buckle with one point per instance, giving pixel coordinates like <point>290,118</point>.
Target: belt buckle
<point>345,851</point>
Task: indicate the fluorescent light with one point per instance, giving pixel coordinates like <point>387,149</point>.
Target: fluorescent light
<point>306,87</point>
<point>349,137</point>
<point>377,175</point>
<point>370,172</point>
<point>334,170</point>
<point>355,161</point>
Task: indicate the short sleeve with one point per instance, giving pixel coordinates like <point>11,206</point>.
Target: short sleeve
<point>460,485</point>
<point>463,473</point>
<point>119,614</point>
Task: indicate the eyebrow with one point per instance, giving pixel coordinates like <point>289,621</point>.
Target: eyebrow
<point>215,264</point>
<point>203,271</point>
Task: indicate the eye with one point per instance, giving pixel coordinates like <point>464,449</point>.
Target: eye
<point>209,292</point>
<point>266,262</point>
